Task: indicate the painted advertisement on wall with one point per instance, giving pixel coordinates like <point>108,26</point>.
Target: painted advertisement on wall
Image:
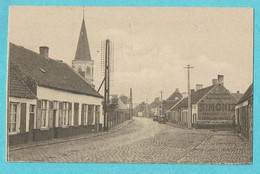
<point>217,106</point>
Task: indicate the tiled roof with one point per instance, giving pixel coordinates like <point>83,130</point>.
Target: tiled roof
<point>237,95</point>
<point>248,94</point>
<point>195,97</point>
<point>83,52</point>
<point>175,94</point>
<point>155,103</point>
<point>168,104</point>
<point>17,87</point>
<point>48,72</point>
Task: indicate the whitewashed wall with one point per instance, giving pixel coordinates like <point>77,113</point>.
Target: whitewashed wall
<point>59,95</point>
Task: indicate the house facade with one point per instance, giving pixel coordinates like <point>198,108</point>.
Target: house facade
<point>61,103</point>
<point>212,107</point>
<point>244,114</point>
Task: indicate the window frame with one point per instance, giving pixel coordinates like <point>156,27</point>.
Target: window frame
<point>46,114</point>
<point>11,104</point>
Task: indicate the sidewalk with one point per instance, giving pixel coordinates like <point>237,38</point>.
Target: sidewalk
<point>74,138</point>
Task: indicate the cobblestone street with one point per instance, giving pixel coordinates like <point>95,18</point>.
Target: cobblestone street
<point>145,141</point>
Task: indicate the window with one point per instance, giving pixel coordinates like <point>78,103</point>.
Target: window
<point>13,114</point>
<point>90,114</point>
<point>85,111</point>
<point>64,115</point>
<point>44,122</point>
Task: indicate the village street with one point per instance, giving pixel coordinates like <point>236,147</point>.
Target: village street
<point>145,141</point>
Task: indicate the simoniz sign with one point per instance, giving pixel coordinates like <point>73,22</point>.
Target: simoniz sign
<point>217,107</point>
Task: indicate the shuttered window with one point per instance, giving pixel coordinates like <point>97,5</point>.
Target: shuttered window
<point>44,123</point>
<point>65,113</point>
<point>13,114</point>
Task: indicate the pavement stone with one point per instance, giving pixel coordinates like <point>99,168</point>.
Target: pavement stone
<point>145,141</point>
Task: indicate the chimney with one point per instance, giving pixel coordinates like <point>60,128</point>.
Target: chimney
<point>238,92</point>
<point>221,79</point>
<point>214,81</point>
<point>199,86</point>
<point>44,51</point>
<point>177,90</point>
<point>192,90</point>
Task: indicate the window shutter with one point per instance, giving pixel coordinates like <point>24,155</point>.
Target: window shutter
<point>38,118</point>
<point>60,114</point>
<point>76,114</point>
<point>70,114</point>
<point>50,118</point>
<point>82,115</point>
<point>50,124</point>
<point>23,118</point>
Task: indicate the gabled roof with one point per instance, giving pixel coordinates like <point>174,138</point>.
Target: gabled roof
<point>17,87</point>
<point>168,104</point>
<point>248,94</point>
<point>83,52</point>
<point>237,95</point>
<point>48,72</point>
<point>175,94</point>
<point>155,103</point>
<point>195,97</point>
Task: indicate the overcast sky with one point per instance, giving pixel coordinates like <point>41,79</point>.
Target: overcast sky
<point>152,44</point>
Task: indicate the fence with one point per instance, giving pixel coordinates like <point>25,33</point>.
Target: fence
<point>117,116</point>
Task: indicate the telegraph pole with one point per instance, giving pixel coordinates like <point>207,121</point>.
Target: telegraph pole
<point>189,97</point>
<point>107,85</point>
<point>131,105</point>
<point>161,104</point>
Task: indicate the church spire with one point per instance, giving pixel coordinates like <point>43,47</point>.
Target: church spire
<point>83,52</point>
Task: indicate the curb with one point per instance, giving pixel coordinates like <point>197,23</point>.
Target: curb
<point>70,139</point>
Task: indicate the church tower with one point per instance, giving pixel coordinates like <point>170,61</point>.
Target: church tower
<point>82,62</point>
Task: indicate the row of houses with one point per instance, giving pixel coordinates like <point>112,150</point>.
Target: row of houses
<point>215,107</point>
<point>211,107</point>
<point>49,99</point>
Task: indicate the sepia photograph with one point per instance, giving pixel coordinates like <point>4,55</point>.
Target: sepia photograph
<point>92,84</point>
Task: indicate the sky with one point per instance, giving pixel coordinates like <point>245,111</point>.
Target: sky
<point>152,45</point>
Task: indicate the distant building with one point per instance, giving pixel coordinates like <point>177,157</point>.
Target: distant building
<point>154,107</point>
<point>212,106</point>
<point>48,99</point>
<point>244,113</point>
<point>82,63</point>
<point>237,95</point>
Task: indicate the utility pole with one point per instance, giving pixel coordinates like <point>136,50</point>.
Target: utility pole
<point>147,107</point>
<point>189,97</point>
<point>131,105</point>
<point>107,85</point>
<point>161,104</point>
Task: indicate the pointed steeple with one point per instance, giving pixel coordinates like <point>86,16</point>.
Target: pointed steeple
<point>83,52</point>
